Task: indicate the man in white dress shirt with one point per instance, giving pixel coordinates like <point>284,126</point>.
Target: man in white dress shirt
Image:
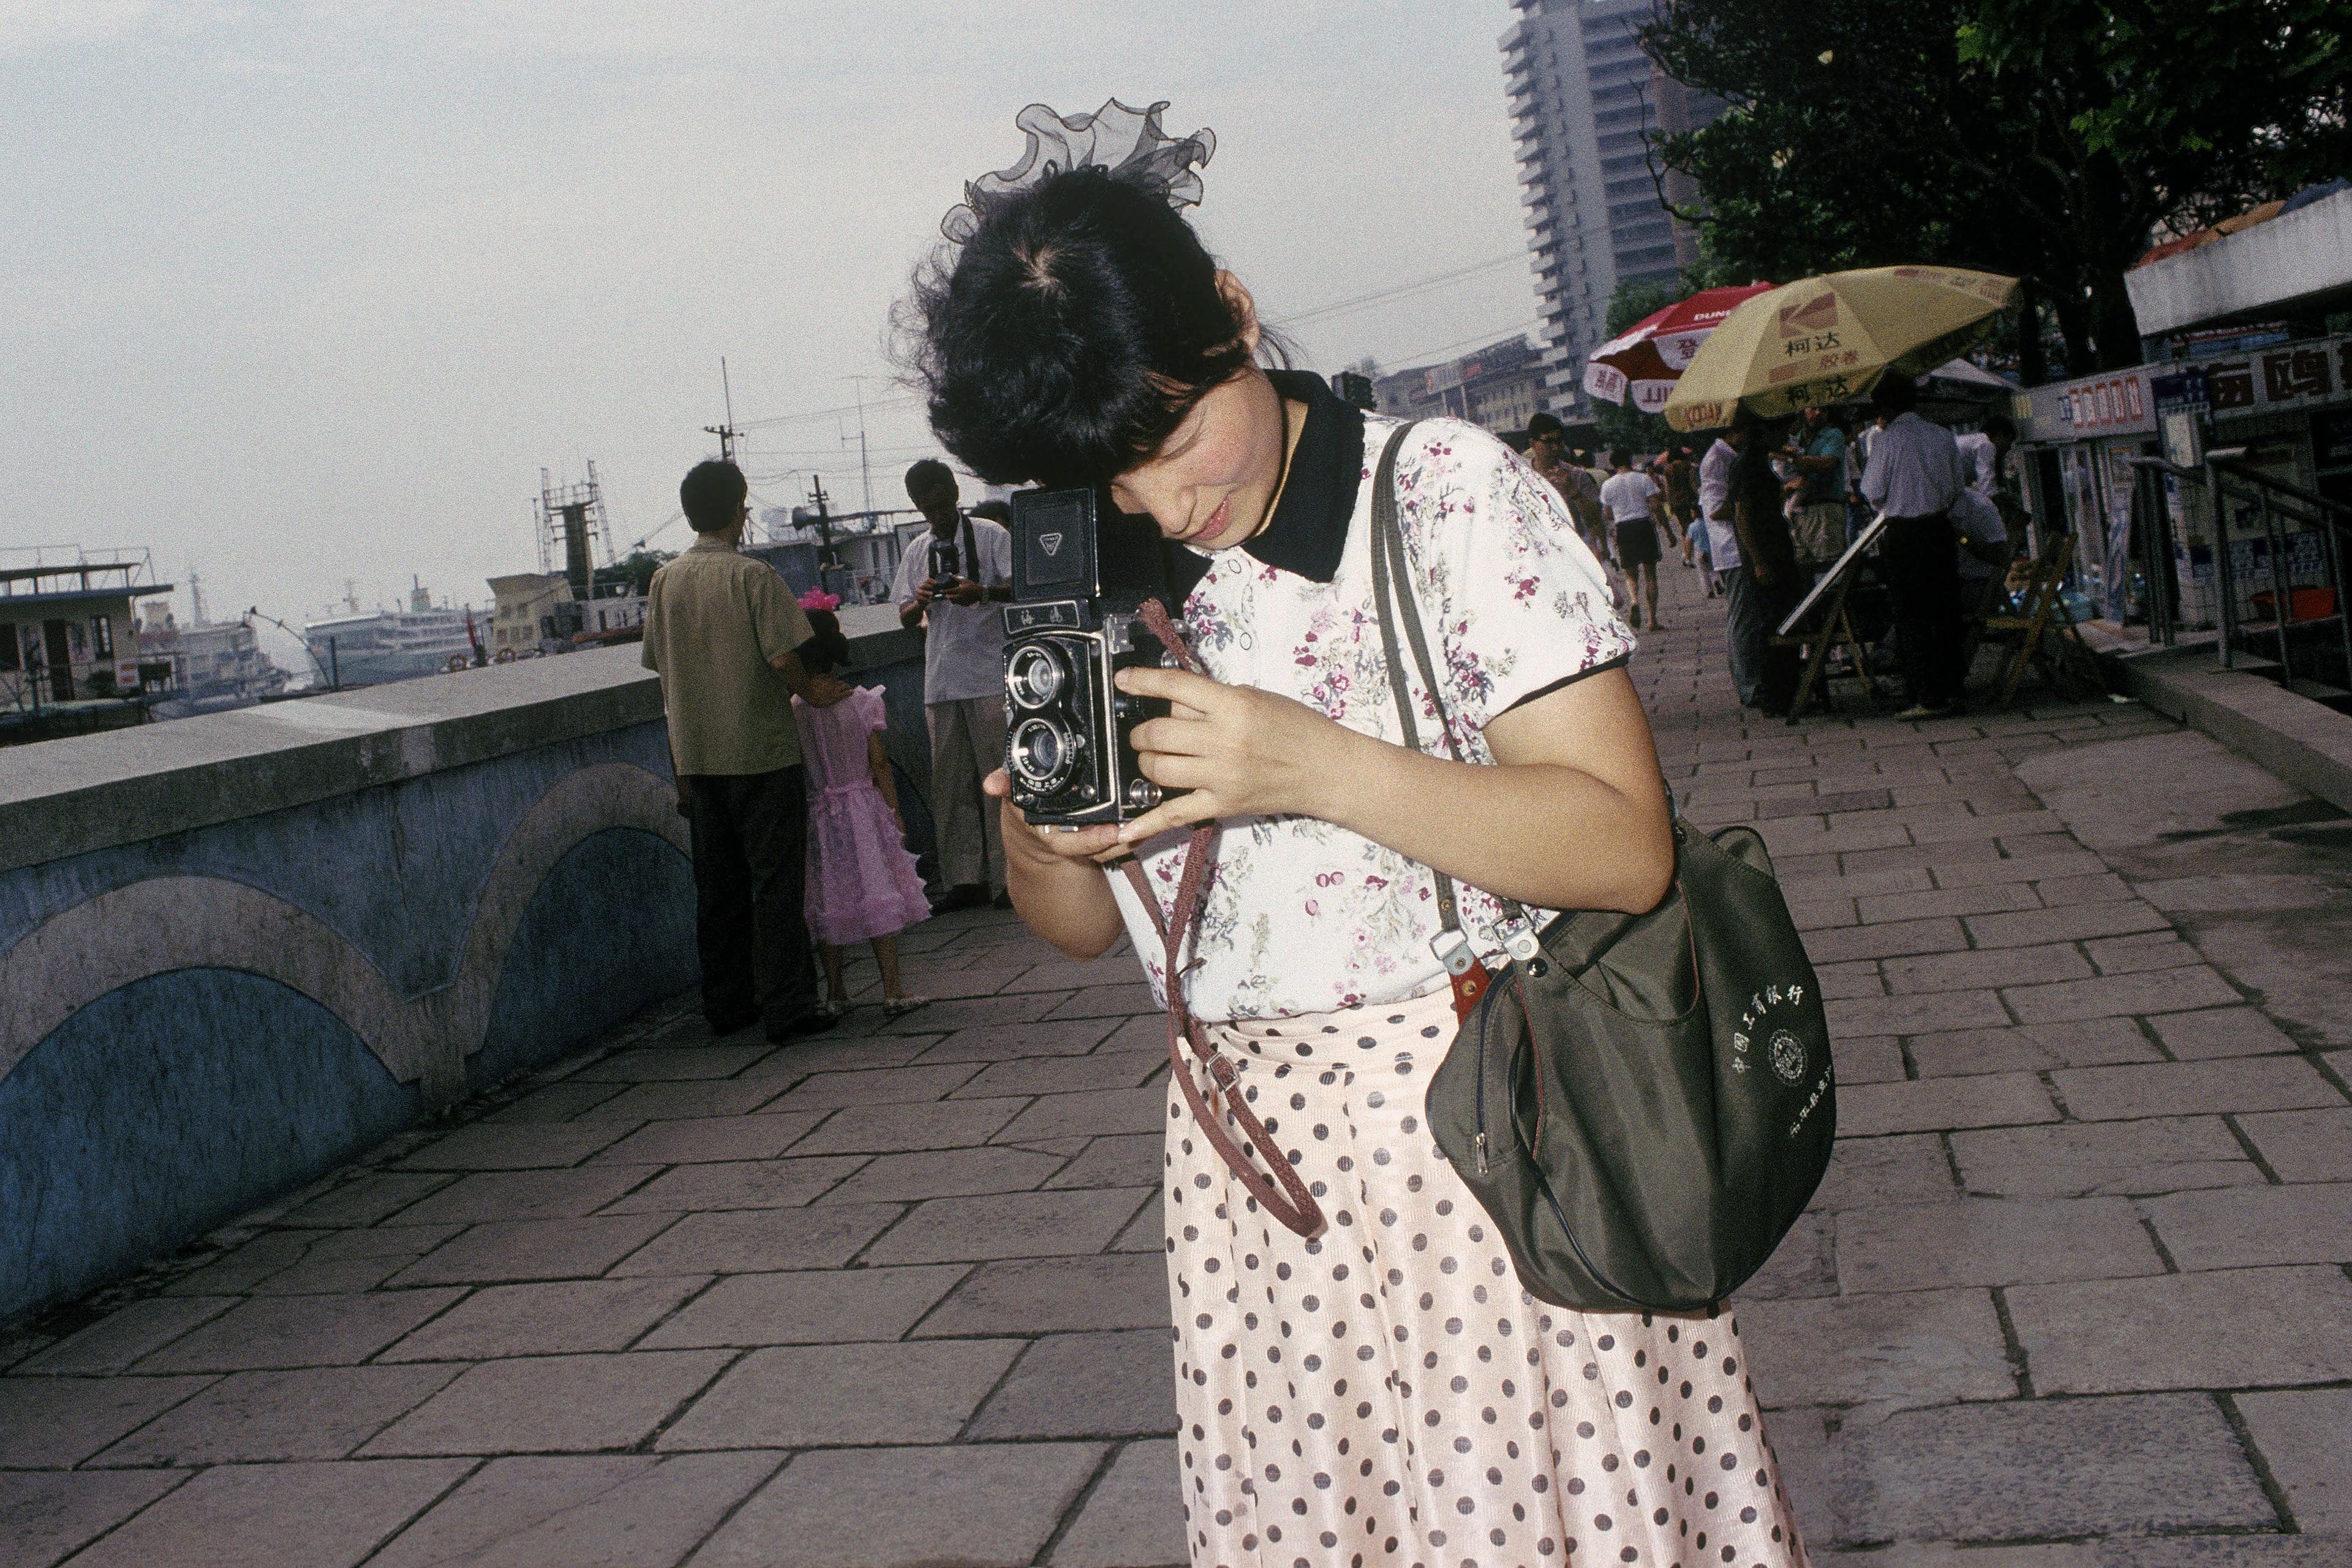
<point>1984,451</point>
<point>1914,475</point>
<point>1761,674</point>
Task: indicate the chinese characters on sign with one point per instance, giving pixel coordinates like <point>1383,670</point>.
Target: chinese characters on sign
<point>2284,376</point>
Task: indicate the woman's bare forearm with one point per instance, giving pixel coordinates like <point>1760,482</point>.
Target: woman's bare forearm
<point>1540,834</point>
<point>1066,900</point>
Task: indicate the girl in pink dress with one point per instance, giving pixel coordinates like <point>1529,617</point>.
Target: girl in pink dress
<point>862,884</point>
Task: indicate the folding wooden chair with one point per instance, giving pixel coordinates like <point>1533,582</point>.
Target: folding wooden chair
<point>2042,631</point>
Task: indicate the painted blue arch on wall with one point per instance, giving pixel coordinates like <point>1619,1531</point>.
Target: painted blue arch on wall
<point>166,1106</point>
<point>610,930</point>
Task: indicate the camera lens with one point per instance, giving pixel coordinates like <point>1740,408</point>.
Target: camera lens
<point>1042,753</point>
<point>1036,675</point>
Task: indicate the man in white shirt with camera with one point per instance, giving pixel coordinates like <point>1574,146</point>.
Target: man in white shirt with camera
<point>954,581</point>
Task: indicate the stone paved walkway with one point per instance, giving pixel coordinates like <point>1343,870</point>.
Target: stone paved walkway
<point>2074,1294</point>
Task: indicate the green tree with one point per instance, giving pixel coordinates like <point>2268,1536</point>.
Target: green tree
<point>2052,139</point>
<point>636,568</point>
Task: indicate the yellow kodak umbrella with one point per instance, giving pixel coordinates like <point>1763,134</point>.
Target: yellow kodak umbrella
<point>1827,340</point>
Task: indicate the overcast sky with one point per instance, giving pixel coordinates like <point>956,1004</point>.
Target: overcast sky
<point>294,292</point>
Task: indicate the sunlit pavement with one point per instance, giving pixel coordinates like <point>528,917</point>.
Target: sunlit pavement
<point>2074,1291</point>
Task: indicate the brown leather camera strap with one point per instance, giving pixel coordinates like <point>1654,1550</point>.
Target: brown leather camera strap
<point>1292,1204</point>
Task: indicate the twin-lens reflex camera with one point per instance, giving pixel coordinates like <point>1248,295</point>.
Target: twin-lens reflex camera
<point>1080,567</point>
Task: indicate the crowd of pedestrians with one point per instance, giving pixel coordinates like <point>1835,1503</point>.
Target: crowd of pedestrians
<point>1769,506</point>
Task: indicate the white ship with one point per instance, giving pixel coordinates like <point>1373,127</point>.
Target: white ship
<point>214,666</point>
<point>390,645</point>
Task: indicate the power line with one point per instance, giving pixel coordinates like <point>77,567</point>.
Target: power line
<point>1381,296</point>
<point>1441,349</point>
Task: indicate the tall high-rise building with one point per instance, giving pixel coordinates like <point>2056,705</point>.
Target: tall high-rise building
<point>1584,102</point>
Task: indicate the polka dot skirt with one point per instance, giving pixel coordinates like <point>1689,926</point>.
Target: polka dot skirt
<point>1389,1394</point>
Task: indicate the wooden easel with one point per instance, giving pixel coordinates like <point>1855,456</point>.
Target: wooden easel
<point>1824,606</point>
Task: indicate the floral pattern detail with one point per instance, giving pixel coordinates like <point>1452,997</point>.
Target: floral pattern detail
<point>1303,917</point>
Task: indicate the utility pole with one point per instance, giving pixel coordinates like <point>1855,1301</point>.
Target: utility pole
<point>726,433</point>
<point>828,560</point>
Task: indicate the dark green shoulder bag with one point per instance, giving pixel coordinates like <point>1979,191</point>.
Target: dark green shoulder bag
<point>1643,1103</point>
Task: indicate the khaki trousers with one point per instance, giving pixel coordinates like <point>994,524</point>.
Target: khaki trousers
<point>1821,532</point>
<point>967,745</point>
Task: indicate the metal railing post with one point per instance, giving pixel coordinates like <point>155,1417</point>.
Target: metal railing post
<point>2224,579</point>
<point>2282,587</point>
<point>2334,548</point>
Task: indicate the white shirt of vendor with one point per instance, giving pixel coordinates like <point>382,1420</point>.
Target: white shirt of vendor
<point>1978,520</point>
<point>1715,504</point>
<point>963,652</point>
<point>1302,916</point>
<point>1627,496</point>
<point>1914,469</point>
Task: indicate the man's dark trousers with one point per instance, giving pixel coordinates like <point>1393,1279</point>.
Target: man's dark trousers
<point>1923,579</point>
<point>1764,676</point>
<point>750,844</point>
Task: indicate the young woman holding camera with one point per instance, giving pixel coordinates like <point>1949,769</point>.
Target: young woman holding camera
<point>1388,1392</point>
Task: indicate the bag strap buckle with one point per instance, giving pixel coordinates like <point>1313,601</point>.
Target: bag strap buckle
<point>1453,950</point>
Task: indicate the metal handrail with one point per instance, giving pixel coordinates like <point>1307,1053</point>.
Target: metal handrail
<point>2227,479</point>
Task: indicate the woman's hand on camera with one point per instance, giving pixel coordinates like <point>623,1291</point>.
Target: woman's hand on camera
<point>1049,846</point>
<point>1241,752</point>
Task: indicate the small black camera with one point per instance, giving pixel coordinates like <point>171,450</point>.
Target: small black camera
<point>947,560</point>
<point>1080,568</point>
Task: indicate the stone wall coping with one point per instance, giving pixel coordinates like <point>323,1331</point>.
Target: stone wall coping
<point>85,792</point>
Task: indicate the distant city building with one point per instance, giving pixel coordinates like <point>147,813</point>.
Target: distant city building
<point>1584,102</point>
<point>1500,387</point>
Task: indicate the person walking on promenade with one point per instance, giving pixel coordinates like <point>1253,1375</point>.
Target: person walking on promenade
<point>952,581</point>
<point>723,631</point>
<point>1915,473</point>
<point>1389,1392</point>
<point>862,883</point>
<point>1636,504</point>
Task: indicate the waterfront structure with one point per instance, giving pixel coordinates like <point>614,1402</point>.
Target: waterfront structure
<point>1499,387</point>
<point>69,658</point>
<point>1584,102</point>
<point>211,666</point>
<point>535,614</point>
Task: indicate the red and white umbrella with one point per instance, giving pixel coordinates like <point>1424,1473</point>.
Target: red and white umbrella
<point>1643,362</point>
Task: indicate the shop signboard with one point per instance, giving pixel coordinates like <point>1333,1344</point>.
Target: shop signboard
<point>2118,404</point>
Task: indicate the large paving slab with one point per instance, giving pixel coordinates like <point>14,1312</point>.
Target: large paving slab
<point>896,1295</point>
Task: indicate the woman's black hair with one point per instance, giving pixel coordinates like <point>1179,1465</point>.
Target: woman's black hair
<point>1069,336</point>
<point>828,650</point>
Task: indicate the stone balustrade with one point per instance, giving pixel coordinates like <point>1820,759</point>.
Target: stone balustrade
<point>236,950</point>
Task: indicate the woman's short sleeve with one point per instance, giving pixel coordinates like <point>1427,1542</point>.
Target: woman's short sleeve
<point>869,708</point>
<point>1519,601</point>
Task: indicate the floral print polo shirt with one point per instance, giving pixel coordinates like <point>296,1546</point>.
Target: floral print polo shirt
<point>1300,916</point>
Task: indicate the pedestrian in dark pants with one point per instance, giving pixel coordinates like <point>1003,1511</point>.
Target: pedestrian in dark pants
<point>1915,476</point>
<point>722,628</point>
<point>1749,535</point>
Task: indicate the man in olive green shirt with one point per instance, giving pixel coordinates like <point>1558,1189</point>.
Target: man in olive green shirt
<point>722,628</point>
